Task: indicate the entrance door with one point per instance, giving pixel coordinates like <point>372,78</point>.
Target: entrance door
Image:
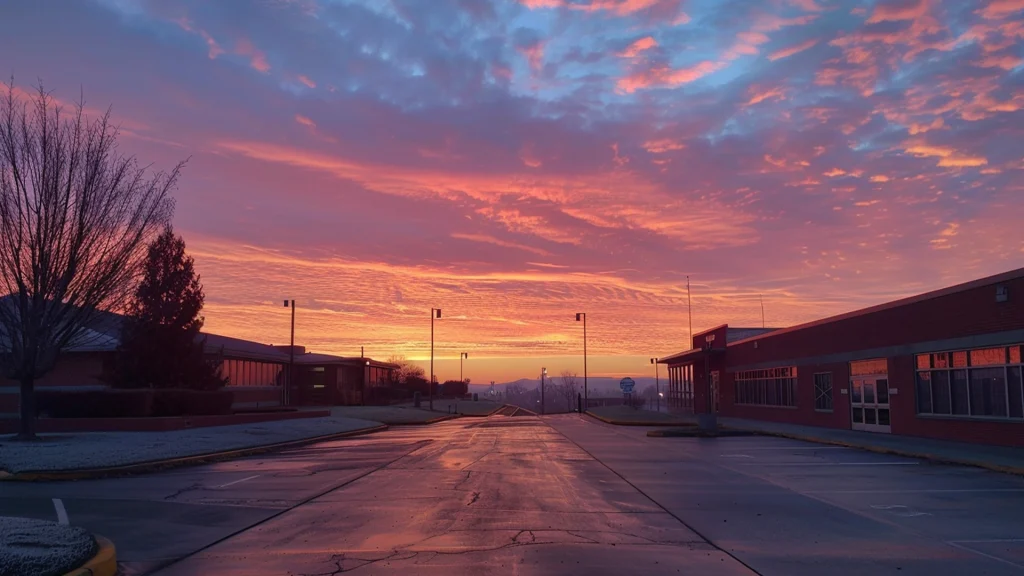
<point>869,396</point>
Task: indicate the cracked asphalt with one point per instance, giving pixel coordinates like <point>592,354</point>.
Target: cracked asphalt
<point>551,495</point>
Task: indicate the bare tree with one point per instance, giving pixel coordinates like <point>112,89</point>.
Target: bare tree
<point>406,368</point>
<point>569,387</point>
<point>76,217</point>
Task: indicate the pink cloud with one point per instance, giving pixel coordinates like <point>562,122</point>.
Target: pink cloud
<point>896,10</point>
<point>641,45</point>
<point>795,49</point>
<point>662,76</point>
<point>257,59</point>
<point>305,80</point>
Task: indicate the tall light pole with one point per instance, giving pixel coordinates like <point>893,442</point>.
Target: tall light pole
<point>434,313</point>
<point>543,373</point>
<point>586,398</point>
<point>463,356</point>
<point>657,382</point>
<point>291,355</point>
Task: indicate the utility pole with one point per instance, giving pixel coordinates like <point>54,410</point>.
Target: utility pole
<point>657,382</point>
<point>586,398</point>
<point>762,309</point>
<point>689,310</point>
<point>291,356</point>
<point>463,356</point>
<point>543,373</point>
<point>434,312</point>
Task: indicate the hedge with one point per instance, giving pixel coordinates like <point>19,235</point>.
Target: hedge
<point>132,403</point>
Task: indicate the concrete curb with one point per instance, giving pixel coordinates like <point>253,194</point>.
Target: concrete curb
<point>157,465</point>
<point>1015,470</point>
<point>426,422</point>
<point>103,563</point>
<point>637,422</point>
<point>694,432</point>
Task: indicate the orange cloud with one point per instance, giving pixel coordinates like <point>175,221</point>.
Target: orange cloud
<point>304,121</point>
<point>879,178</point>
<point>664,77</point>
<point>498,242</point>
<point>787,52</point>
<point>305,80</point>
<point>641,45</point>
<point>948,157</point>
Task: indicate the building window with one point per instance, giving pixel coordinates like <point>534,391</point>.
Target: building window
<point>971,383</point>
<point>771,387</point>
<point>823,391</point>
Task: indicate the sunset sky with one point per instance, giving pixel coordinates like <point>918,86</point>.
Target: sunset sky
<point>515,162</point>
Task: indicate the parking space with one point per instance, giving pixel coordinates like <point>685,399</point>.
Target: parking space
<point>788,507</point>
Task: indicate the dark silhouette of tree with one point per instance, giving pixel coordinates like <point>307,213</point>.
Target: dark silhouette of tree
<point>406,369</point>
<point>75,218</point>
<point>161,346</point>
<point>454,388</point>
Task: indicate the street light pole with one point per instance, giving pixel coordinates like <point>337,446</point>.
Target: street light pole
<point>291,356</point>
<point>657,382</point>
<point>586,398</point>
<point>543,373</point>
<point>434,312</point>
<point>464,355</point>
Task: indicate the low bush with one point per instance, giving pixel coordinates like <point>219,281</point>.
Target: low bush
<point>207,403</point>
<point>94,403</point>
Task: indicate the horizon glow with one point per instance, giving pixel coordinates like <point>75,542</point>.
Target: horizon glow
<point>515,162</point>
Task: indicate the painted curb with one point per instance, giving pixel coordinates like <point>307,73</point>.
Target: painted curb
<point>157,465</point>
<point>637,422</point>
<point>103,563</point>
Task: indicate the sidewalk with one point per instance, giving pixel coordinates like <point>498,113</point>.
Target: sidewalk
<point>997,458</point>
<point>94,454</point>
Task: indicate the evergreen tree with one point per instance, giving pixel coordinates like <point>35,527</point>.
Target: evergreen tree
<point>160,342</point>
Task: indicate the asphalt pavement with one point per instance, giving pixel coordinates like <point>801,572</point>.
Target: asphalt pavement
<point>551,495</point>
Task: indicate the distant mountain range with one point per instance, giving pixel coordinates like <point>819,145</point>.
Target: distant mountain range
<point>598,386</point>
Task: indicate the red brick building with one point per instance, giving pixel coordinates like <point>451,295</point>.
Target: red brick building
<point>946,365</point>
<point>256,373</point>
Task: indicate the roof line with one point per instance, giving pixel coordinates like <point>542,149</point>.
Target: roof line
<point>948,291</point>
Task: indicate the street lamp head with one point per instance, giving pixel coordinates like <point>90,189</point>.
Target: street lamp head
<point>438,312</point>
<point>579,316</point>
<point>285,303</point>
<point>653,360</point>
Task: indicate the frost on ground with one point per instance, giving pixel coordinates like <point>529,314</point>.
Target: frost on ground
<point>74,451</point>
<point>38,548</point>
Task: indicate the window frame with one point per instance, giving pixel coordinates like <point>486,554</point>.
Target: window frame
<point>818,395</point>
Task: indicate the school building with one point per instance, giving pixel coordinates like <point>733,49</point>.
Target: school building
<point>944,365</point>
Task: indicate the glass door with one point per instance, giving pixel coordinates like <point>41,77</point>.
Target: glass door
<point>869,396</point>
<point>869,400</point>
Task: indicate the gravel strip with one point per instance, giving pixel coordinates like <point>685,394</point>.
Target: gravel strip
<point>75,451</point>
<point>38,548</point>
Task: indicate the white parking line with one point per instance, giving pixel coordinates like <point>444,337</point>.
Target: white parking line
<point>237,481</point>
<point>833,464</point>
<point>918,491</point>
<point>980,553</point>
<point>62,514</point>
